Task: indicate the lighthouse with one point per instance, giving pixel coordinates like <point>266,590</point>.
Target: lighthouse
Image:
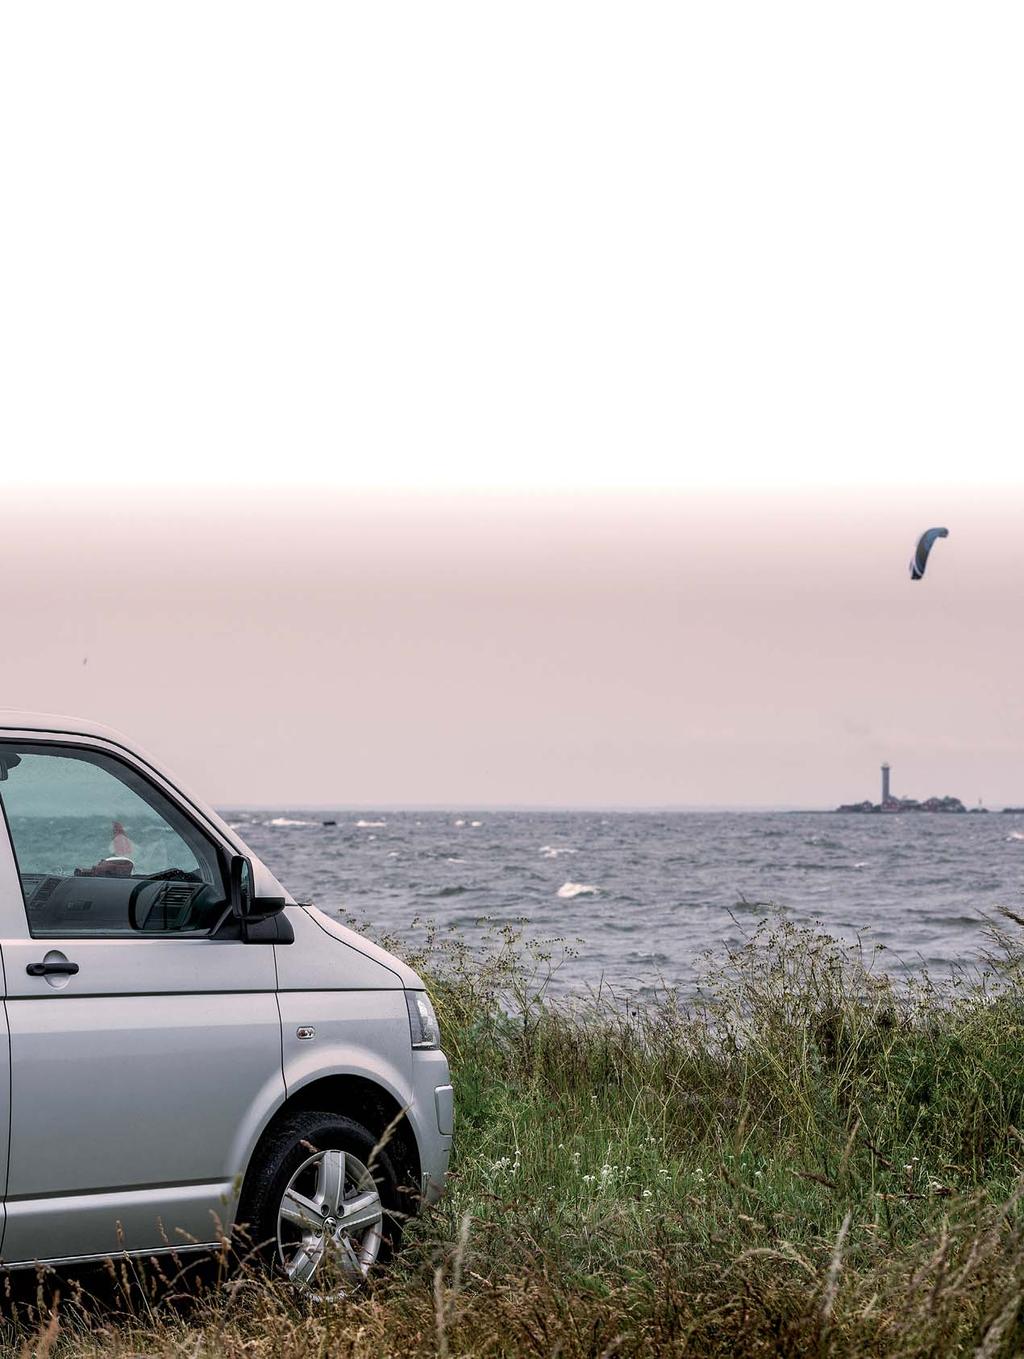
<point>885,784</point>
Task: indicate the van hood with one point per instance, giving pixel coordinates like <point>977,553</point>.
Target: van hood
<point>409,979</point>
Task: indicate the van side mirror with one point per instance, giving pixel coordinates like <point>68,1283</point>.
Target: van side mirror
<point>251,911</point>
<point>240,892</point>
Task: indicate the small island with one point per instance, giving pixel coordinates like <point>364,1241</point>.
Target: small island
<point>890,804</point>
<point>909,804</point>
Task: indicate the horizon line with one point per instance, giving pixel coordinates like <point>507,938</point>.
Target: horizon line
<point>620,808</point>
<point>519,806</point>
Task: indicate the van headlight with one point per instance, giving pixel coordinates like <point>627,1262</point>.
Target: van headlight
<point>423,1024</point>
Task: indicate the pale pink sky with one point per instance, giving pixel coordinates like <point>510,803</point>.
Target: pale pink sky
<point>322,647</point>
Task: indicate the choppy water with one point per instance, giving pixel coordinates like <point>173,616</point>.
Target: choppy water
<point>646,894</point>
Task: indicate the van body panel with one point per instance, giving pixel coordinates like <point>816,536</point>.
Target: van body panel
<point>355,1034</point>
<point>86,1226</point>
<point>113,1094</point>
<point>320,960</point>
<point>404,974</point>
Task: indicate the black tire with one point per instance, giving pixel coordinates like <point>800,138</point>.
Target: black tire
<point>279,1156</point>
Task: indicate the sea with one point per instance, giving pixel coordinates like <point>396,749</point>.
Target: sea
<point>639,901</point>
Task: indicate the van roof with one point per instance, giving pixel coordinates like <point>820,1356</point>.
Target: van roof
<point>12,719</point>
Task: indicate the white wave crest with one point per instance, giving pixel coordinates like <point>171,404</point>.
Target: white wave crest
<point>287,821</point>
<point>576,889</point>
<point>1015,835</point>
<point>552,852</point>
<point>370,825</point>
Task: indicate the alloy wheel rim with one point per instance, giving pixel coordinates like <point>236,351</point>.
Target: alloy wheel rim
<point>329,1224</point>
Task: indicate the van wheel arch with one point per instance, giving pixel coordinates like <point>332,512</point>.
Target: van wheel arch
<point>366,1103</point>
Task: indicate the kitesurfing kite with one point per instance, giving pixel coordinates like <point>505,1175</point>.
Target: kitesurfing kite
<point>924,547</point>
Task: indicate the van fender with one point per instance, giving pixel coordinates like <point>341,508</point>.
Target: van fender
<point>269,1099</point>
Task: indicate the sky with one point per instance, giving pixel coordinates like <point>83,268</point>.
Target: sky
<point>462,405</point>
<point>363,649</point>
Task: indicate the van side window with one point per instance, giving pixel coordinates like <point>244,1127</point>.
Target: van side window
<point>100,850</point>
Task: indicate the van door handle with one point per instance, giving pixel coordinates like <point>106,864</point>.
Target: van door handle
<point>64,969</point>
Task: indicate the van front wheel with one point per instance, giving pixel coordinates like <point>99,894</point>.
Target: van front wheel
<point>320,1203</point>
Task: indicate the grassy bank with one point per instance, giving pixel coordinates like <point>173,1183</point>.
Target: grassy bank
<point>805,1162</point>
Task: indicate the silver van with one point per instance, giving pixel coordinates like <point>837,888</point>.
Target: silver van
<point>188,1050</point>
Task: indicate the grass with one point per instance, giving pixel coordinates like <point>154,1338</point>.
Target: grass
<point>808,1160</point>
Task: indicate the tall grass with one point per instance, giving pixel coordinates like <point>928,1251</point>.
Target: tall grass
<point>809,1159</point>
